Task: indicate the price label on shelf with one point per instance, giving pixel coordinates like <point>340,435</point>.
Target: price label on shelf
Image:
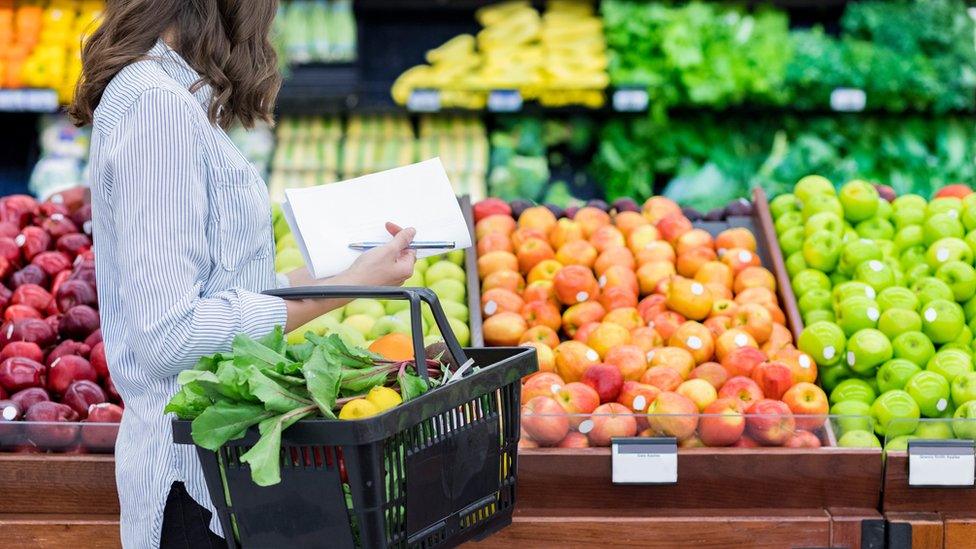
<point>424,100</point>
<point>945,463</point>
<point>504,101</point>
<point>848,100</point>
<point>30,100</point>
<point>630,100</point>
<point>641,460</point>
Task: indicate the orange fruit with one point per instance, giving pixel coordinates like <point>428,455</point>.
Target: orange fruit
<point>393,346</point>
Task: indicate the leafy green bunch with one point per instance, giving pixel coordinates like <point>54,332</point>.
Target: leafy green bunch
<point>272,384</point>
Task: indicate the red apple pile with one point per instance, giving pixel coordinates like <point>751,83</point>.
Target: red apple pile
<point>52,360</point>
<point>643,325</point>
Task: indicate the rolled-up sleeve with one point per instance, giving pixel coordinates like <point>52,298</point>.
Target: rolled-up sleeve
<point>160,201</point>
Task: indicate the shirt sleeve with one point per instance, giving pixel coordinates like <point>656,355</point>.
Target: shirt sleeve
<point>160,203</point>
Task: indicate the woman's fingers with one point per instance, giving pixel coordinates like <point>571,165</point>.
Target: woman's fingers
<point>403,238</point>
<point>393,228</point>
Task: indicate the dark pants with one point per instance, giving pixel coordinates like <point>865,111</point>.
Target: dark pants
<point>186,525</point>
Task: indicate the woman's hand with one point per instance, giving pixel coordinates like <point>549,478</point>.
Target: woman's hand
<point>388,265</point>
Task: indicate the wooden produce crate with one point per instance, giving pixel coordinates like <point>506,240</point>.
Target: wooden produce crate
<point>899,497</point>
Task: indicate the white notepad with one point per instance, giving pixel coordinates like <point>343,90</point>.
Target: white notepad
<point>327,218</point>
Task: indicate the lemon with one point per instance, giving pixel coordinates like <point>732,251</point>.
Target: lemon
<point>384,398</point>
<point>358,409</point>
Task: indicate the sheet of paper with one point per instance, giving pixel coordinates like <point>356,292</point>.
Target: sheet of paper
<point>327,218</point>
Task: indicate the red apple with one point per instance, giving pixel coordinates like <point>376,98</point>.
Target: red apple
<point>773,378</point>
<point>770,422</point>
<point>545,421</point>
<point>809,403</point>
<point>722,423</point>
<point>743,389</point>
<point>574,439</point>
<point>606,379</point>
<point>611,420</point>
<point>803,439</point>
<point>636,396</point>
<point>673,415</point>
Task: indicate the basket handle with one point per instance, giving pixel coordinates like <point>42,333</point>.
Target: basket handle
<point>413,295</point>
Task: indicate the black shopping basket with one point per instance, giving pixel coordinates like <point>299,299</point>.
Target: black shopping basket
<point>435,471</point>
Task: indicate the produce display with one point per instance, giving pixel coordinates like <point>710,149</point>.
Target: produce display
<point>640,315</point>
<point>52,360</point>
<point>704,160</point>
<point>557,58</point>
<point>369,322</point>
<point>706,54</point>
<point>887,289</point>
<point>271,383</point>
<point>318,150</point>
<point>317,31</point>
<point>40,43</point>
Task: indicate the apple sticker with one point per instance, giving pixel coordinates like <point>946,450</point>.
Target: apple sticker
<point>555,388</point>
<point>10,413</point>
<point>650,356</point>
<point>851,359</point>
<point>741,340</point>
<point>57,217</point>
<point>930,315</point>
<point>829,352</point>
<point>586,426</point>
<point>20,240</point>
<point>804,361</point>
<point>942,254</point>
<point>697,289</point>
<point>603,280</point>
<point>694,342</point>
<point>491,308</point>
<point>640,403</point>
<point>592,355</point>
<point>582,296</point>
<point>869,291</point>
<point>941,405</point>
<point>875,265</point>
<point>873,314</point>
<point>745,256</point>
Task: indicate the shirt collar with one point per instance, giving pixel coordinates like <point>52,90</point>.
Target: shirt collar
<point>179,70</point>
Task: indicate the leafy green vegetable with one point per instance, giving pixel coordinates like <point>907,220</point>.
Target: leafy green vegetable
<point>323,382</point>
<point>226,421</point>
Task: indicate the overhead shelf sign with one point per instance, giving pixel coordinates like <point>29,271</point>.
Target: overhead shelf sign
<point>424,100</point>
<point>28,100</point>
<point>630,99</point>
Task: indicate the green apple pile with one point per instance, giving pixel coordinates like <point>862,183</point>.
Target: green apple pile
<point>887,291</point>
<point>362,321</point>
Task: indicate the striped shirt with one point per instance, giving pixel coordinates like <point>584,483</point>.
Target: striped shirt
<point>184,245</point>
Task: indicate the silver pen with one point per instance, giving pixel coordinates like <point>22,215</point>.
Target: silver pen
<point>415,245</point>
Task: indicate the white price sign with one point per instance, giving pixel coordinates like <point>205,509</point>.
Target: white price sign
<point>941,463</point>
<point>504,101</point>
<point>29,100</point>
<point>644,460</point>
<point>848,100</point>
<point>424,100</point>
<point>630,100</point>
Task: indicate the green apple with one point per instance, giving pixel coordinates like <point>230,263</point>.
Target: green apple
<point>917,272</point>
<point>823,341</point>
<point>404,317</point>
<point>783,204</point>
<point>897,297</point>
<point>887,247</point>
<point>389,324</point>
<point>970,241</point>
<point>443,270</point>
<point>814,300</point>
<point>866,350</point>
<point>930,391</point>
<point>362,323</point>
<point>941,226</point>
<point>875,228</point>
<point>394,306</point>
<point>914,347</point>
<point>944,205</point>
<point>948,249</point>
<point>821,250</point>
<point>812,185</point>
<point>908,237</point>
<point>336,314</point>
<point>876,274</point>
<point>350,336</point>
<point>820,315</point>
<point>831,376</point>
<point>808,280</point>
<point>456,257</point>
<point>363,306</point>
<point>960,277</point>
<point>449,289</point>
<point>907,217</point>
<point>942,320</point>
<point>432,339</point>
<point>795,263</point>
<point>821,203</point>
<point>969,308</point>
<point>929,289</point>
<point>286,242</point>
<point>857,313</point>
<point>968,217</point>
<point>898,443</point>
<point>791,241</point>
<point>858,439</point>
<point>416,280</point>
<point>281,227</point>
<point>787,221</point>
<point>933,429</point>
<point>856,252</point>
<point>895,322</point>
<point>454,310</point>
<point>872,380</point>
<point>895,413</point>
<point>950,363</point>
<point>322,325</point>
<point>850,289</point>
<point>964,388</point>
<point>849,235</point>
<point>852,415</point>
<point>853,389</point>
<point>910,202</point>
<point>824,221</point>
<point>964,339</point>
<point>895,373</point>
<point>860,200</point>
<point>288,259</point>
<point>964,424</point>
<point>838,278</point>
<point>884,209</point>
<point>461,331</point>
<point>912,256</point>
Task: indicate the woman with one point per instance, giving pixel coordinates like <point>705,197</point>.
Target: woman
<point>183,230</point>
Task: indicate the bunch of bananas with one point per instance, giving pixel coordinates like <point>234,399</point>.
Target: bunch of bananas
<point>558,59</point>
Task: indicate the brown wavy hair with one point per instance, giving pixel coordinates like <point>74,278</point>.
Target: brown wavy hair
<point>226,41</point>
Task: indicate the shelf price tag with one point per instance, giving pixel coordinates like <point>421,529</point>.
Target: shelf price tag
<point>945,463</point>
<point>504,101</point>
<point>630,100</point>
<point>28,100</point>
<point>848,100</point>
<point>424,100</point>
<point>641,460</point>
